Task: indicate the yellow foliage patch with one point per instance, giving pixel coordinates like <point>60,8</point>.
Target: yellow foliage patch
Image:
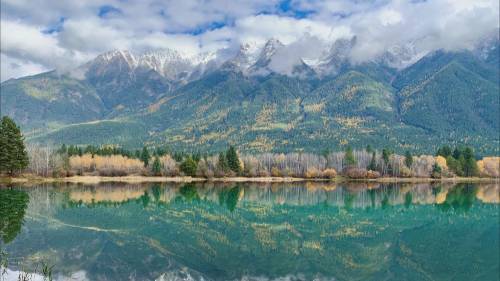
<point>489,167</point>
<point>97,163</point>
<point>349,92</point>
<point>266,113</point>
<point>315,107</point>
<point>441,161</point>
<point>154,107</point>
<point>350,122</point>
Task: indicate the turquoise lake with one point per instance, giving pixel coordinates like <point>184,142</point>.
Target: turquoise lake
<point>286,231</point>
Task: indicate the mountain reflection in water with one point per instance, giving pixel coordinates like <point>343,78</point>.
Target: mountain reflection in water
<point>214,231</point>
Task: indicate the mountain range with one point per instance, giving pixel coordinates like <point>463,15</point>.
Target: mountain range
<point>266,97</point>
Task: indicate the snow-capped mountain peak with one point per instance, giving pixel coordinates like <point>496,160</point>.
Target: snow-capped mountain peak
<point>117,55</point>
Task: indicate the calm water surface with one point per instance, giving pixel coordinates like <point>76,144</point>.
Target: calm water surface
<point>299,231</point>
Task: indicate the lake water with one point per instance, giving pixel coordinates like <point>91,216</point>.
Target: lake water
<point>292,231</point>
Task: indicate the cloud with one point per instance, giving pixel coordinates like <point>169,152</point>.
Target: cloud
<point>48,34</point>
<point>12,67</point>
<point>287,29</point>
<point>30,45</point>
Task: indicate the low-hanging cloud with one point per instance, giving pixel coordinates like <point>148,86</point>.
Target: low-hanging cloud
<point>30,43</point>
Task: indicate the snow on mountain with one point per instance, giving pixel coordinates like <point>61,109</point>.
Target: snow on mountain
<point>306,57</point>
<point>171,64</point>
<point>331,60</point>
<point>401,56</point>
<point>265,57</point>
<point>245,57</point>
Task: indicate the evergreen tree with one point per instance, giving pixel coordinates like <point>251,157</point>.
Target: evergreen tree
<point>408,159</point>
<point>188,166</point>
<point>196,157</point>
<point>457,153</point>
<point>222,164</point>
<point>469,165</point>
<point>63,149</point>
<point>369,149</point>
<point>373,163</point>
<point>386,154</point>
<point>232,160</point>
<point>436,171</point>
<point>145,156</point>
<point>460,165</point>
<point>177,156</point>
<point>156,167</point>
<point>349,159</point>
<point>444,151</point>
<point>13,155</point>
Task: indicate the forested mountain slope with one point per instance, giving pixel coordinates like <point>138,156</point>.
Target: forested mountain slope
<point>445,97</point>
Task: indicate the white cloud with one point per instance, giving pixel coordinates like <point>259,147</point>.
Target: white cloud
<point>262,27</point>
<point>15,68</point>
<point>390,17</point>
<point>195,25</point>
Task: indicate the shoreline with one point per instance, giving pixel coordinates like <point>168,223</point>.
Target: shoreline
<point>148,179</point>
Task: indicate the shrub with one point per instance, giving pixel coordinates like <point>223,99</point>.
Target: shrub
<point>275,172</point>
<point>312,173</point>
<point>355,173</point>
<point>263,173</point>
<point>372,174</point>
<point>111,172</point>
<point>170,168</point>
<point>489,167</point>
<point>404,172</point>
<point>106,165</point>
<point>329,173</point>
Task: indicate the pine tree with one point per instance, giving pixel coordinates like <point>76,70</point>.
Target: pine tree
<point>188,166</point>
<point>145,156</point>
<point>457,153</point>
<point>369,149</point>
<point>470,168</point>
<point>156,167</point>
<point>373,164</point>
<point>386,154</point>
<point>349,157</point>
<point>13,155</point>
<point>4,149</point>
<point>63,149</point>
<point>408,159</point>
<point>436,171</point>
<point>444,151</point>
<point>222,164</point>
<point>232,160</point>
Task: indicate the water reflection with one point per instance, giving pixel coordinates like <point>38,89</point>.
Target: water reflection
<point>301,231</point>
<point>460,198</point>
<point>350,196</point>
<point>13,204</point>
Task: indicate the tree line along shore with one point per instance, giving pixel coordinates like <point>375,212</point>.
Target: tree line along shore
<point>20,160</point>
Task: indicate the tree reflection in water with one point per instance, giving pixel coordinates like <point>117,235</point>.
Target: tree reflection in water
<point>13,204</point>
<point>460,198</point>
<point>230,197</point>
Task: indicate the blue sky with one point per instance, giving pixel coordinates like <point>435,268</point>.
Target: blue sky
<point>39,35</point>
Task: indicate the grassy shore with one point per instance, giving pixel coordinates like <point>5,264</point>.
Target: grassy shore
<point>146,179</point>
